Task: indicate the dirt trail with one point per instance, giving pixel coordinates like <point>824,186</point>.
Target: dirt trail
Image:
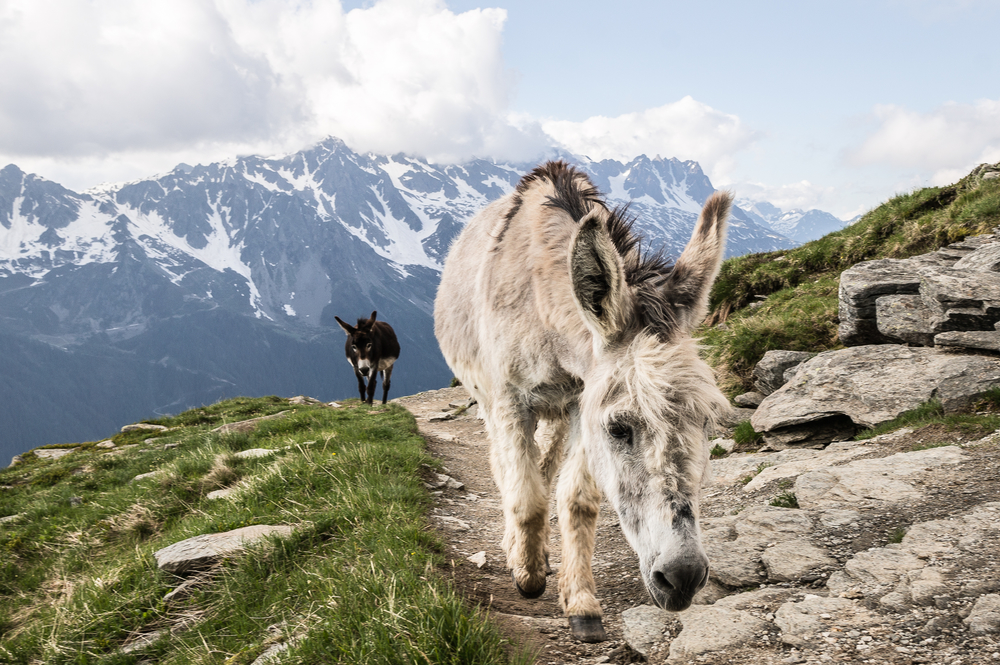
<point>460,443</point>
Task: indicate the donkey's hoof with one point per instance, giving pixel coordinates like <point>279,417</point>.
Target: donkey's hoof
<point>528,594</point>
<point>587,629</point>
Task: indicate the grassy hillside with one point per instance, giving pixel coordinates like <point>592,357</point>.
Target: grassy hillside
<point>788,299</point>
<point>357,582</point>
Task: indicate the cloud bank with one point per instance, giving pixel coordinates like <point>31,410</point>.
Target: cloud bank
<point>686,129</point>
<point>947,142</point>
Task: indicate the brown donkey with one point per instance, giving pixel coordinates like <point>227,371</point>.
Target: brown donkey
<point>371,348</point>
<point>550,314</point>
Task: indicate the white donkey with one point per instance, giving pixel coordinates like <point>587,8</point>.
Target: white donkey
<point>548,312</point>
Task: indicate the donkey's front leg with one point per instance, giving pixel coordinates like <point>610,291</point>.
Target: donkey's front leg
<point>361,382</point>
<point>579,500</point>
<point>514,460</point>
<point>372,380</point>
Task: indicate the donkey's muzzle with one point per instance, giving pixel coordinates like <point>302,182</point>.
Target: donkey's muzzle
<point>673,586</point>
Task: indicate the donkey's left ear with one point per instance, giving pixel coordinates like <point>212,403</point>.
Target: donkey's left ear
<point>348,328</point>
<point>598,278</point>
<point>689,283</point>
<point>371,318</point>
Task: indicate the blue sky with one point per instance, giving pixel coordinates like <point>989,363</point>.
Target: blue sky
<point>830,105</point>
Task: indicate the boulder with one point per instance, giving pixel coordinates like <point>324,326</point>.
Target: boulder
<point>200,551</point>
<point>984,259</point>
<point>907,319</point>
<point>769,373</point>
<point>869,385</point>
<point>750,400</point>
<point>860,286</point>
<point>978,339</point>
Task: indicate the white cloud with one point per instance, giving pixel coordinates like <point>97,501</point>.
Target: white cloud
<point>686,129</point>
<point>802,195</point>
<point>119,82</point>
<point>946,142</point>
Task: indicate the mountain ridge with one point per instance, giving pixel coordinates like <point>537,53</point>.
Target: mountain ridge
<point>266,250</point>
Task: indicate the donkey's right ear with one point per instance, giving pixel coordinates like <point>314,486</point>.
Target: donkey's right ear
<point>598,278</point>
<point>348,328</point>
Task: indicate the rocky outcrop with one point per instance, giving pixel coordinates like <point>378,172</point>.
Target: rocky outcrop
<point>838,391</point>
<point>956,288</point>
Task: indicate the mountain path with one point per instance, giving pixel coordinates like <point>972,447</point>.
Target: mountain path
<point>461,446</point>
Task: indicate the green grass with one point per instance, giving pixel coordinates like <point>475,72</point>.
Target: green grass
<point>357,582</point>
<point>897,535</point>
<point>785,500</point>
<point>800,312</point>
<point>745,435</point>
<point>753,474</point>
<point>718,452</point>
<point>984,417</point>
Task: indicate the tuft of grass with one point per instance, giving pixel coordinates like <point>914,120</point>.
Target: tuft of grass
<point>718,452</point>
<point>929,412</point>
<point>756,472</point>
<point>455,382</point>
<point>800,312</point>
<point>897,535</point>
<point>745,435</point>
<point>785,500</point>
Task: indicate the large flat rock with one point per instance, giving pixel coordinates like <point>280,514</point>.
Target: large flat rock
<point>873,384</point>
<point>861,482</point>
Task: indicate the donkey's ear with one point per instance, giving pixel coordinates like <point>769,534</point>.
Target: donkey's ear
<point>348,328</point>
<point>688,285</point>
<point>598,278</point>
<point>371,319</point>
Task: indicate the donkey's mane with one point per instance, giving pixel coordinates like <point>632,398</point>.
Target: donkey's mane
<point>576,195</point>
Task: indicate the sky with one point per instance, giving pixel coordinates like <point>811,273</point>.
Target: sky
<point>829,105</point>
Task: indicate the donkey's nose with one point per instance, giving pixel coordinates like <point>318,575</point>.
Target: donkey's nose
<point>675,585</point>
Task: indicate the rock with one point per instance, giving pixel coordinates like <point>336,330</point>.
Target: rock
<point>796,560</point>
<point>11,518</point>
<point>802,623</point>
<point>444,482</point>
<point>253,453</point>
<point>245,426</point>
<point>871,481</point>
<point>142,641</point>
<point>302,400</point>
<point>106,444</point>
<point>985,616</point>
<point>769,374</point>
<point>52,453</point>
<point>149,427</point>
<point>76,501</point>
<point>710,628</point>
<point>838,517</point>
<point>749,400</point>
<point>144,476</point>
<point>947,288</point>
<point>479,558</point>
<point>734,544</point>
<point>643,627</point>
<point>220,494</point>
<point>453,522</point>
<point>986,258</point>
<point>818,459</point>
<point>860,286</point>
<point>906,319</point>
<point>200,551</point>
<point>978,339</point>
<point>15,460</point>
<point>871,385</point>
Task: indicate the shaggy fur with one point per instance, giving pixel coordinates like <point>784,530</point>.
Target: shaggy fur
<point>554,319</point>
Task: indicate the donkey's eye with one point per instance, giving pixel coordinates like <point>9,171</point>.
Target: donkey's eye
<point>353,348</point>
<point>369,347</point>
<point>620,431</point>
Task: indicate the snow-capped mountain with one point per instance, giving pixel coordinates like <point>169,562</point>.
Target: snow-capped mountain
<point>212,281</point>
<point>798,225</point>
